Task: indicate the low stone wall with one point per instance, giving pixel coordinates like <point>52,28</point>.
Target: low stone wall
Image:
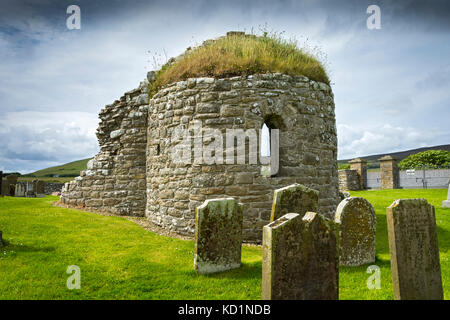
<point>51,187</point>
<point>348,180</point>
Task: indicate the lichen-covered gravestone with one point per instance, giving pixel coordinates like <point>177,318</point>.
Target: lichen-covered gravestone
<point>20,190</point>
<point>357,227</point>
<point>413,245</point>
<point>294,198</point>
<point>218,235</point>
<point>300,259</point>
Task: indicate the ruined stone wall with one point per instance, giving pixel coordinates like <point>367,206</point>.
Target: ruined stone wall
<point>349,180</point>
<point>301,109</point>
<point>115,179</point>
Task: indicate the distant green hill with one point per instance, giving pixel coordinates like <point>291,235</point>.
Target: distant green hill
<point>373,159</point>
<point>62,173</point>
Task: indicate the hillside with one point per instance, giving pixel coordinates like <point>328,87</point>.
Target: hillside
<point>62,173</point>
<point>401,154</point>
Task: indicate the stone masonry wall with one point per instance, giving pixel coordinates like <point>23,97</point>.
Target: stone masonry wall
<point>301,109</point>
<point>349,180</point>
<point>115,179</point>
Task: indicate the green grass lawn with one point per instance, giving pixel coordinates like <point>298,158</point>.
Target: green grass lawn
<point>120,260</point>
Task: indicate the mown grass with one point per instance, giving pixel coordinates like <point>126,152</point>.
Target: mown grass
<point>353,279</point>
<point>120,260</point>
<point>235,55</point>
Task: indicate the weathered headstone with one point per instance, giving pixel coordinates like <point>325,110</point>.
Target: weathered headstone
<point>357,226</point>
<point>39,186</point>
<point>12,178</point>
<point>446,203</point>
<point>20,190</point>
<point>413,245</point>
<point>30,190</point>
<point>218,235</point>
<point>300,258</point>
<point>294,198</point>
<point>6,187</point>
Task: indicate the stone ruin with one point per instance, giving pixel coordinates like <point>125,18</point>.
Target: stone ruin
<point>31,189</point>
<point>135,174</point>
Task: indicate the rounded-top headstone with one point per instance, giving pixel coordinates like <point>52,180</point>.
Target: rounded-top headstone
<point>294,198</point>
<point>357,223</point>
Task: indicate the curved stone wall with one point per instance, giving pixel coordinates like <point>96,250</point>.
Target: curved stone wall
<point>301,109</point>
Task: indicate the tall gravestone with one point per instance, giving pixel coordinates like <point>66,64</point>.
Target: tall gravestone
<point>413,245</point>
<point>29,193</point>
<point>218,235</point>
<point>446,203</point>
<point>300,259</point>
<point>294,198</point>
<point>20,190</point>
<point>357,227</point>
<point>39,187</point>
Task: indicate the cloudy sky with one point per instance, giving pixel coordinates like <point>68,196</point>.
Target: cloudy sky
<point>391,86</point>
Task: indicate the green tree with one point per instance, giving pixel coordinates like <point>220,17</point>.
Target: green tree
<point>430,158</point>
<point>344,166</point>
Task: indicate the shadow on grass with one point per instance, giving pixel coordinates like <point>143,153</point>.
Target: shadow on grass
<point>24,248</point>
<point>382,263</point>
<point>247,271</point>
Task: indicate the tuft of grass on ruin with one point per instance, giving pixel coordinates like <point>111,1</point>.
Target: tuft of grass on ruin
<point>236,55</point>
<point>120,260</point>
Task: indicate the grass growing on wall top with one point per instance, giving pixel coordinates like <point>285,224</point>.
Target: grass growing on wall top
<point>237,54</point>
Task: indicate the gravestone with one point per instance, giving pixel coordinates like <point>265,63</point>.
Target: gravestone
<point>357,226</point>
<point>300,258</point>
<point>218,235</point>
<point>39,187</point>
<point>446,203</point>
<point>294,198</point>
<point>30,190</point>
<point>12,179</point>
<point>1,239</point>
<point>20,190</point>
<point>413,245</point>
